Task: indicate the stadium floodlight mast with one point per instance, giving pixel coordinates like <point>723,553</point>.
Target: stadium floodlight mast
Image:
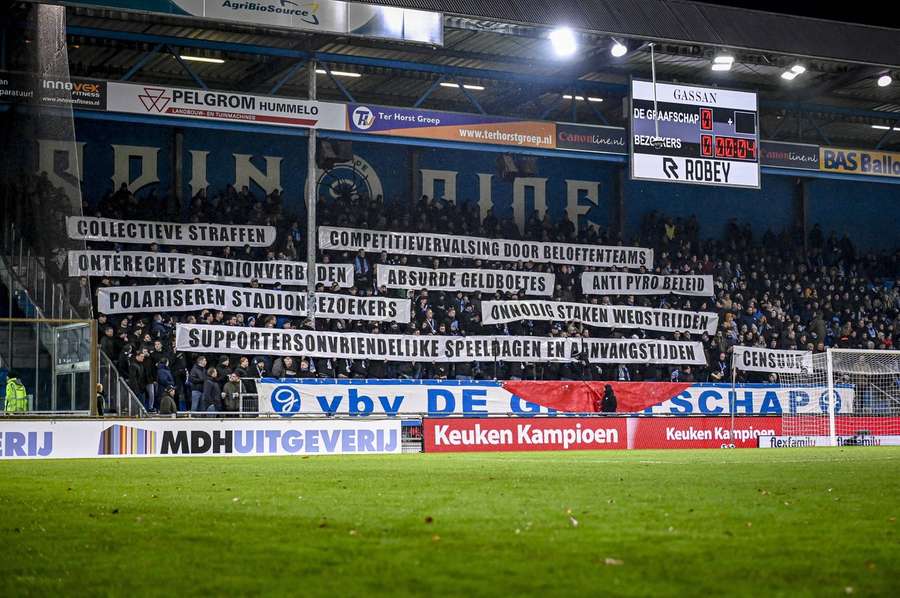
<point>563,41</point>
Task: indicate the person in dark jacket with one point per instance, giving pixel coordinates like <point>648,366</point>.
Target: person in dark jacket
<point>137,377</point>
<point>609,400</point>
<point>164,377</point>
<point>197,379</point>
<point>167,402</point>
<point>212,392</point>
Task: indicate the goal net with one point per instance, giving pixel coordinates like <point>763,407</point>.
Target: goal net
<point>847,397</point>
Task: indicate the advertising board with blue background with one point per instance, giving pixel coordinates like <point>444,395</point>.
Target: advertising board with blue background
<point>434,398</point>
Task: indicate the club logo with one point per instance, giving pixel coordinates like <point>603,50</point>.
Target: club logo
<point>363,118</point>
<point>286,400</point>
<point>350,181</point>
<point>154,98</point>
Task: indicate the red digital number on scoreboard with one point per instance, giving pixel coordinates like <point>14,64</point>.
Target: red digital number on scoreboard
<point>706,119</point>
<point>737,148</point>
<point>706,145</point>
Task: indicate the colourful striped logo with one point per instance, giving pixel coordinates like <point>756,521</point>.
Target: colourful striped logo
<point>126,440</point>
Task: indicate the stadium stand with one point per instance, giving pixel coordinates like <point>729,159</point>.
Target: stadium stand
<point>773,289</point>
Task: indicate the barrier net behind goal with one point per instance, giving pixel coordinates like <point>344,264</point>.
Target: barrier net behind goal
<point>847,397</point>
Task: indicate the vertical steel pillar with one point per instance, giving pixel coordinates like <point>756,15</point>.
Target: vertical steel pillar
<point>311,204</point>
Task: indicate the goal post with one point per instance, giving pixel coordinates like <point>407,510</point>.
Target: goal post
<point>849,397</point>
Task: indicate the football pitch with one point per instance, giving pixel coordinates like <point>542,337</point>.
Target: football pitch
<point>814,522</point>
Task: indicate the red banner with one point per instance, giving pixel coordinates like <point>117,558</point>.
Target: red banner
<point>699,432</point>
<point>845,425</point>
<point>522,434</point>
<point>586,397</point>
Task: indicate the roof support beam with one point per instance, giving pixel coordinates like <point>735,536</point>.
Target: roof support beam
<point>287,76</point>
<point>337,83</point>
<point>142,61</point>
<point>187,68</point>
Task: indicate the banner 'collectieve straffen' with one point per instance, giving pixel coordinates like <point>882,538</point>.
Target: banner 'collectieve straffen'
<point>193,297</point>
<point>500,250</point>
<point>760,359</point>
<point>603,316</point>
<point>467,280</point>
<point>182,266</point>
<point>89,228</point>
<point>621,283</point>
<point>201,338</point>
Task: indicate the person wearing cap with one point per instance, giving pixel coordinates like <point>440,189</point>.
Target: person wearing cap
<point>231,392</point>
<point>167,404</point>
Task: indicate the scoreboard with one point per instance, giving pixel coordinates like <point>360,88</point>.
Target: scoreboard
<point>707,135</point>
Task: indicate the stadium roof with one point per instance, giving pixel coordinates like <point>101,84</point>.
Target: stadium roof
<point>693,22</point>
<point>504,50</point>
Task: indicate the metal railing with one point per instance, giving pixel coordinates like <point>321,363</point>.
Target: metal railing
<point>33,289</point>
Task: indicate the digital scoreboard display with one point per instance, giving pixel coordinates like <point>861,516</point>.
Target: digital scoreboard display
<point>700,135</point>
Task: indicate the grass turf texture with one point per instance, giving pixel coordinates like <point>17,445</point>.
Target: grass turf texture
<point>651,523</point>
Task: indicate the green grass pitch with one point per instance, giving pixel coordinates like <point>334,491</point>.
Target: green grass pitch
<point>814,522</point>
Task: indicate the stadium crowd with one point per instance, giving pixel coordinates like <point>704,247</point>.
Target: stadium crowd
<point>774,290</point>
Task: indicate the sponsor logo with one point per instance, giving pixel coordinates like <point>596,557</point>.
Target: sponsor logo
<point>508,434</point>
<point>286,400</point>
<point>127,440</point>
<point>154,98</point>
<point>692,434</point>
<point>807,441</point>
<point>525,434</point>
<point>77,87</point>
<point>363,118</point>
<point>306,12</point>
<point>26,444</point>
<point>274,441</point>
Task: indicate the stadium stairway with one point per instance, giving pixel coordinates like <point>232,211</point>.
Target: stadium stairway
<point>31,292</point>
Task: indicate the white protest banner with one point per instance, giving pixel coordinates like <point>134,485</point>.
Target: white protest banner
<point>202,338</point>
<point>603,316</point>
<point>500,250</point>
<point>621,283</point>
<point>760,359</point>
<point>488,281</point>
<point>88,228</point>
<point>224,106</point>
<point>184,266</point>
<point>194,297</point>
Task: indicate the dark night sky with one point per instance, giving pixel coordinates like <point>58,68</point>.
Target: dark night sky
<point>822,9</point>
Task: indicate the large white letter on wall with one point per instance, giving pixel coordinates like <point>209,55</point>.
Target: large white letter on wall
<point>245,171</point>
<point>591,197</point>
<point>447,176</point>
<point>540,198</point>
<point>74,152</point>
<point>122,155</point>
<point>198,171</point>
